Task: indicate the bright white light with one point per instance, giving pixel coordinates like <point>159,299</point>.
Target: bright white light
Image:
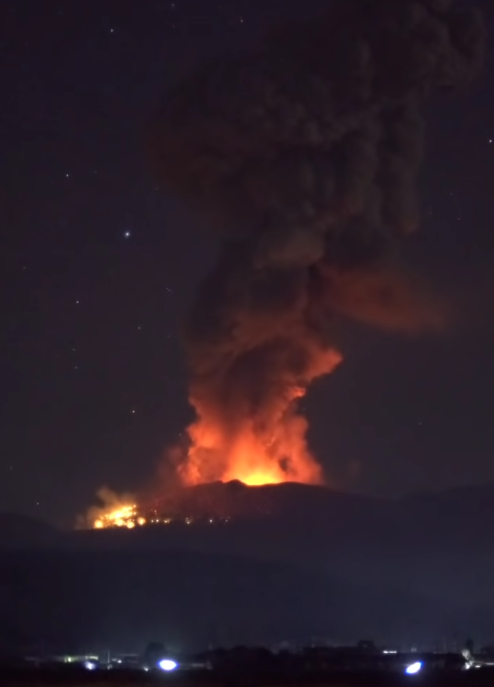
<point>167,664</point>
<point>413,668</point>
<point>89,665</point>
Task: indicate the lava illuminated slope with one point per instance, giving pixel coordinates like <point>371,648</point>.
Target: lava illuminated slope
<point>212,503</point>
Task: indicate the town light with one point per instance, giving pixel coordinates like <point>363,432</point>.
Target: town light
<point>413,668</point>
<point>167,664</point>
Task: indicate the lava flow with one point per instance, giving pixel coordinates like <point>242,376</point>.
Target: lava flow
<point>210,504</point>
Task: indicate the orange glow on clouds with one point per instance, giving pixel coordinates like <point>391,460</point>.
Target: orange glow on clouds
<point>260,450</point>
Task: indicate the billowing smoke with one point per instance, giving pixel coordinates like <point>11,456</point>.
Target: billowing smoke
<point>304,154</point>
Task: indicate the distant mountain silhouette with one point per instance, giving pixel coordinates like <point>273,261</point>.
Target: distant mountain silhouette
<point>291,561</point>
<point>20,531</point>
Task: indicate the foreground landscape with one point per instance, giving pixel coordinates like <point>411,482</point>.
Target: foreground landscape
<point>365,679</point>
<point>295,562</point>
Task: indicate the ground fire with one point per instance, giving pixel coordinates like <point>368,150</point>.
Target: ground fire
<point>214,504</point>
<point>131,517</point>
<point>126,515</point>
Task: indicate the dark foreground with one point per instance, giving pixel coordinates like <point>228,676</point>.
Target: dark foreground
<point>84,678</point>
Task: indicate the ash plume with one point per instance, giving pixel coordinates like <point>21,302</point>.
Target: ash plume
<point>303,153</point>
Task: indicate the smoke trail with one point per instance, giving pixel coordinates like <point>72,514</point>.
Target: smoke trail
<point>304,154</point>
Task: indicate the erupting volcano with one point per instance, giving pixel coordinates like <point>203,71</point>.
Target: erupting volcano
<point>303,155</point>
<point>263,443</point>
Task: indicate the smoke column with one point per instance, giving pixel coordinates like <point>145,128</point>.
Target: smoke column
<point>304,155</point>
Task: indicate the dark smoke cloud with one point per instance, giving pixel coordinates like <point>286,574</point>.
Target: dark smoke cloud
<point>304,153</point>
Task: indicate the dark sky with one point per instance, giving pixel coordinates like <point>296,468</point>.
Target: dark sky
<point>98,266</point>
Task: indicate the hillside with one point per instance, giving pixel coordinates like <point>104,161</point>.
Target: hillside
<point>295,561</point>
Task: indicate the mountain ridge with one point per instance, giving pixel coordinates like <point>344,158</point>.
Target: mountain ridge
<point>321,563</point>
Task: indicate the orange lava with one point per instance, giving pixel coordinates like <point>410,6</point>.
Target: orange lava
<point>267,450</point>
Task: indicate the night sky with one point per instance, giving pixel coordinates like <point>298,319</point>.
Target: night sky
<point>99,266</point>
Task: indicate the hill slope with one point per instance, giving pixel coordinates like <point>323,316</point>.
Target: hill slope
<point>296,561</point>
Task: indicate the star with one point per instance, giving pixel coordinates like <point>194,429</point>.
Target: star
<point>127,234</point>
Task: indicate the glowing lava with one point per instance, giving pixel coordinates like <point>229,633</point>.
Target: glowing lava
<point>250,458</point>
<point>267,447</point>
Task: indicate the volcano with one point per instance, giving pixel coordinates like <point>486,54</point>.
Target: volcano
<point>216,502</point>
